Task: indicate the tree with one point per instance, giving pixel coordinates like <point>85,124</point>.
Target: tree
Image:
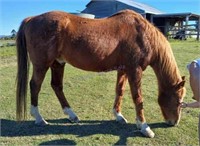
<point>13,33</point>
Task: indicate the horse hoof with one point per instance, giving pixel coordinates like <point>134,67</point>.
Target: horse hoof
<point>147,132</point>
<point>121,120</point>
<point>74,119</point>
<point>42,123</point>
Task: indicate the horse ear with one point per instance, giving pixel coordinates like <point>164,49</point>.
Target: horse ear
<point>183,78</point>
<point>180,85</point>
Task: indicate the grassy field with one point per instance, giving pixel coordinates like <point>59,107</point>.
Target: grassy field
<point>91,95</point>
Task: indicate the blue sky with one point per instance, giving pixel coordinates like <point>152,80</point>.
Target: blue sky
<point>12,12</point>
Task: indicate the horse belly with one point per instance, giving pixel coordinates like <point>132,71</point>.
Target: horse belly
<point>89,63</point>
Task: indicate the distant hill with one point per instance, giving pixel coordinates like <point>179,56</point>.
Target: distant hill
<point>2,36</point>
<point>5,36</point>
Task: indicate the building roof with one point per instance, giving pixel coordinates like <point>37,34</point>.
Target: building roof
<point>146,8</point>
<point>130,4</point>
<point>192,16</point>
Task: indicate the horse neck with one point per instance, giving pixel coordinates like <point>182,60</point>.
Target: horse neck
<point>165,66</point>
<point>161,57</point>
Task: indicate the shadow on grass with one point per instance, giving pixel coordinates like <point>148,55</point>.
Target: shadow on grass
<point>11,128</point>
<point>59,142</point>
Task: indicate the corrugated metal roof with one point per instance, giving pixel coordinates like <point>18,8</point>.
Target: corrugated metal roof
<point>191,16</point>
<point>101,8</point>
<point>146,8</point>
<point>105,8</point>
<point>177,14</point>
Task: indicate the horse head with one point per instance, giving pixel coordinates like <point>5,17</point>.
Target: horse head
<point>170,102</point>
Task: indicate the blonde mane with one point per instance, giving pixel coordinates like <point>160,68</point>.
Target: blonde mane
<point>164,63</point>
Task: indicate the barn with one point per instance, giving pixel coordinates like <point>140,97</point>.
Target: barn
<point>169,24</point>
<point>106,8</point>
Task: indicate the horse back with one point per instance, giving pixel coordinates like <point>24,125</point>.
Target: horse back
<point>89,44</point>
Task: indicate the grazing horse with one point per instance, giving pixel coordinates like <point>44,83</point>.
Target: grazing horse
<point>125,42</point>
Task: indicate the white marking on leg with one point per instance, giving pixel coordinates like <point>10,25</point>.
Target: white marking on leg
<point>72,115</point>
<point>119,117</point>
<point>144,128</point>
<point>38,118</point>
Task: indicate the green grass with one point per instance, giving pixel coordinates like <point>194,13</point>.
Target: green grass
<point>7,51</point>
<point>91,95</point>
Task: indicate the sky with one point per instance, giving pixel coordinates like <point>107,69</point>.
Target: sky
<point>12,12</point>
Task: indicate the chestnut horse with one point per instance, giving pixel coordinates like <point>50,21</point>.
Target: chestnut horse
<point>124,39</point>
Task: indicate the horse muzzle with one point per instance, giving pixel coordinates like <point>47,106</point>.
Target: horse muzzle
<point>172,122</point>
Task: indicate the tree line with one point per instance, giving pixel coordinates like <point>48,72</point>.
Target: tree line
<point>12,35</point>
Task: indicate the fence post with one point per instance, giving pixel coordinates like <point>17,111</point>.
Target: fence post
<point>186,25</point>
<point>198,29</point>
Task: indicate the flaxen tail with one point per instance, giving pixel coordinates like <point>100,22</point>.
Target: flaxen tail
<point>22,74</point>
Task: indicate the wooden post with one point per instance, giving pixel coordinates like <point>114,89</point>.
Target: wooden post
<point>151,18</point>
<point>179,25</point>
<point>186,25</point>
<point>167,24</point>
<point>144,15</point>
<point>198,29</point>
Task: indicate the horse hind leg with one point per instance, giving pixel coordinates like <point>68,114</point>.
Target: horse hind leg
<point>35,86</point>
<point>120,87</point>
<point>57,71</point>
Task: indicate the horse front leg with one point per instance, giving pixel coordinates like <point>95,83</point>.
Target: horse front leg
<point>35,86</point>
<point>134,78</point>
<point>120,87</point>
<point>57,71</point>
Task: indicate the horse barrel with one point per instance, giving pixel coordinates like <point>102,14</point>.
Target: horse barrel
<point>84,15</point>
